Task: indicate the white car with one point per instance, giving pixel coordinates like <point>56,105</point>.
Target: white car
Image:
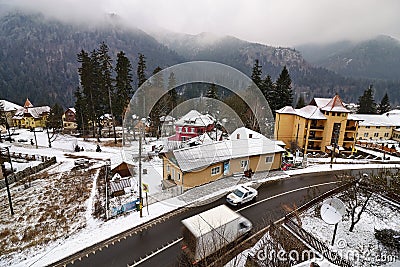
<point>242,194</point>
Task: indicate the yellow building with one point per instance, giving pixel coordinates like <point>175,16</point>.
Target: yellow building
<point>30,116</point>
<point>324,123</point>
<point>9,110</point>
<point>375,127</point>
<point>245,150</point>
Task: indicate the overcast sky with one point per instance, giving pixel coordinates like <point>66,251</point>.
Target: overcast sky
<point>273,22</point>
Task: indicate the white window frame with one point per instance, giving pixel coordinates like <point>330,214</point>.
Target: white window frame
<point>244,163</point>
<point>365,134</point>
<point>216,170</point>
<point>168,168</point>
<point>269,159</point>
<point>376,134</point>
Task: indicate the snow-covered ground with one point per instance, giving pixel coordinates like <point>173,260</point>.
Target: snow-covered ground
<point>85,231</point>
<point>361,243</point>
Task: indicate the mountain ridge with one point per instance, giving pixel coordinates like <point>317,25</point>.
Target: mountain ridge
<point>38,58</point>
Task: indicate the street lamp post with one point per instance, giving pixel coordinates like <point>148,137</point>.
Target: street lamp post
<point>6,179</point>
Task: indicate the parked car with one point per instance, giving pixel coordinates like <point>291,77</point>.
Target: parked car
<point>241,195</point>
<point>22,140</point>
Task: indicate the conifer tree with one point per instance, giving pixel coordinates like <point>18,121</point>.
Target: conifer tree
<point>269,91</point>
<point>157,80</point>
<point>173,95</point>
<point>141,69</point>
<point>256,73</point>
<point>384,106</point>
<point>300,102</point>
<point>284,89</point>
<point>366,102</point>
<point>212,91</point>
<point>87,93</point>
<point>123,85</point>
<point>54,120</point>
<point>106,84</point>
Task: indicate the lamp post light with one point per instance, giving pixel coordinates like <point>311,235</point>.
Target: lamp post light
<point>7,148</point>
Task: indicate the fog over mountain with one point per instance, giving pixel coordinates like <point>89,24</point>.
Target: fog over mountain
<point>272,22</point>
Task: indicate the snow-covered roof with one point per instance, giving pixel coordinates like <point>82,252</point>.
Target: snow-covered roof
<point>249,143</point>
<point>72,109</point>
<point>286,110</point>
<point>167,118</point>
<point>310,112</point>
<point>352,117</point>
<point>320,102</point>
<point>393,116</point>
<point>195,118</point>
<point>374,120</point>
<point>8,106</point>
<point>335,105</point>
<point>35,112</point>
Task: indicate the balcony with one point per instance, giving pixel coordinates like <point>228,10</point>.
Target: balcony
<point>315,138</point>
<point>317,127</point>
<point>351,128</point>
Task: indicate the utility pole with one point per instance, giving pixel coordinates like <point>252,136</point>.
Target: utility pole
<point>140,173</point>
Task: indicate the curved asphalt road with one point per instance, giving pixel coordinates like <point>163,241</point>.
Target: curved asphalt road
<point>138,246</point>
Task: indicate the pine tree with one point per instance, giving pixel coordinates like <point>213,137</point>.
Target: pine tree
<point>54,120</point>
<point>366,102</point>
<point>300,102</point>
<point>256,73</point>
<point>123,85</point>
<point>212,91</point>
<point>106,84</point>
<point>269,92</point>
<point>87,94</point>
<point>81,112</point>
<point>284,89</point>
<point>141,69</point>
<point>157,80</point>
<point>384,106</point>
<point>173,95</point>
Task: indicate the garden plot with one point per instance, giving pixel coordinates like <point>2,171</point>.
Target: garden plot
<point>53,206</point>
<point>360,246</point>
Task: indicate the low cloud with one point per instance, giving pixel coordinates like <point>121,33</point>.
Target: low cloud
<point>274,22</point>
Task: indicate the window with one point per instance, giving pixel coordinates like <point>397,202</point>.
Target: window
<point>179,176</point>
<point>237,136</point>
<point>365,134</point>
<point>173,174</point>
<point>215,170</point>
<point>343,114</point>
<point>388,127</point>
<point>244,164</point>
<point>378,127</point>
<point>250,135</point>
<point>367,127</point>
<point>184,138</point>
<point>386,134</point>
<point>192,130</point>
<point>180,129</point>
<point>168,168</point>
<point>268,159</point>
<point>376,134</point>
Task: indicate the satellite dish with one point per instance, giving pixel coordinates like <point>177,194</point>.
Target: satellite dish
<point>332,210</point>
